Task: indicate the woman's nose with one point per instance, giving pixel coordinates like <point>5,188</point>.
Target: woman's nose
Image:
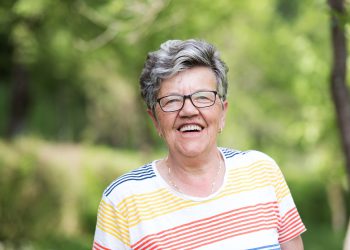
<point>188,108</point>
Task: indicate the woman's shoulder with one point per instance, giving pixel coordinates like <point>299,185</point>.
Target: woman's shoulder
<point>230,152</point>
<point>247,156</point>
<point>133,179</point>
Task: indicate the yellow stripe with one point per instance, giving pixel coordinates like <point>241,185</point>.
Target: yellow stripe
<point>109,227</point>
<point>114,233</point>
<point>138,209</point>
<point>155,198</point>
<point>151,205</point>
<point>108,210</point>
<point>112,215</point>
<point>111,222</point>
<point>282,191</point>
<point>109,219</point>
<point>137,212</point>
<point>261,170</point>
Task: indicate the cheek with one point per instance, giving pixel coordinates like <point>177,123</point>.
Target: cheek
<point>165,124</point>
<point>217,117</point>
<point>217,122</point>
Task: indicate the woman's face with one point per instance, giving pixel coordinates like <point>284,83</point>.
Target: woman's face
<point>190,131</point>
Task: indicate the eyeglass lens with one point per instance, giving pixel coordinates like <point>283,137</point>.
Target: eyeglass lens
<point>199,99</point>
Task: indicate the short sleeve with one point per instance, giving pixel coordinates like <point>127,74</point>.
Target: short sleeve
<point>111,228</point>
<point>290,224</point>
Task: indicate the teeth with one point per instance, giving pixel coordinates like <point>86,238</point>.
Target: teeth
<point>190,128</point>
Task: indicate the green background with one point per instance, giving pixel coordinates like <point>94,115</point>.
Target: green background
<point>72,120</point>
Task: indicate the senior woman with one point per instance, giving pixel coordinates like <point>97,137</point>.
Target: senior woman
<point>199,196</point>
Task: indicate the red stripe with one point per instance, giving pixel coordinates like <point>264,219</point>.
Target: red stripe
<point>234,222</point>
<point>288,214</point>
<point>292,226</point>
<point>288,220</point>
<point>298,227</point>
<point>296,232</point>
<point>98,246</point>
<point>286,235</point>
<point>204,222</point>
<point>219,228</point>
<point>196,225</point>
<point>285,224</point>
<point>214,237</point>
<point>226,236</point>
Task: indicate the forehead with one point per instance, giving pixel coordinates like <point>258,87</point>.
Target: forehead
<point>189,81</point>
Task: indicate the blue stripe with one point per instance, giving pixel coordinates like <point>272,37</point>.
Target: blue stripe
<point>142,173</point>
<point>270,247</point>
<point>229,153</point>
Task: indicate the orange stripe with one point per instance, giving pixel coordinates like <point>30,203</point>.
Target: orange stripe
<point>225,236</point>
<point>289,213</point>
<point>292,226</point>
<point>296,223</point>
<point>100,246</point>
<point>220,228</point>
<point>232,222</point>
<point>195,224</point>
<point>194,242</point>
<point>220,232</point>
<point>290,216</point>
<point>296,232</point>
<point>148,206</point>
<point>216,238</point>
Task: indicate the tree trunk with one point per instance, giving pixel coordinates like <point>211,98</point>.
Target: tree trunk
<point>20,100</point>
<point>340,93</point>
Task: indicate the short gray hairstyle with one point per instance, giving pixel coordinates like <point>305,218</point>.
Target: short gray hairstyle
<point>175,56</point>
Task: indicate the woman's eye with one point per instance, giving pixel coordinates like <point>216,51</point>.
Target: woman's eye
<point>172,101</point>
<point>202,98</point>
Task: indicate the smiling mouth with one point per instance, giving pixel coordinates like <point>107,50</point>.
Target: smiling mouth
<point>190,128</point>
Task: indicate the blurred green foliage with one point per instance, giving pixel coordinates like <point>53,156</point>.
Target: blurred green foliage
<point>78,63</point>
<point>69,76</point>
<point>49,194</point>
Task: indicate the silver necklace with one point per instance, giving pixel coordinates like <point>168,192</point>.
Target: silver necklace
<point>172,183</point>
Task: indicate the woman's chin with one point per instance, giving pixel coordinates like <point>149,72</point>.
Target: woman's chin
<point>192,149</point>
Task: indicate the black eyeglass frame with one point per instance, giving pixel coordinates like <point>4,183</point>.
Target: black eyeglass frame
<point>184,97</point>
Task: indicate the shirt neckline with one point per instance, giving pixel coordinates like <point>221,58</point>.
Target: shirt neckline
<point>169,188</point>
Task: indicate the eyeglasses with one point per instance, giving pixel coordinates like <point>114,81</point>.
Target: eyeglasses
<point>200,99</point>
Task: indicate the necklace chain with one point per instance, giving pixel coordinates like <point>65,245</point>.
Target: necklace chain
<point>172,183</point>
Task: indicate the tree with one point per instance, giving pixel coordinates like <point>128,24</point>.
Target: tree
<point>340,93</point>
<point>339,88</point>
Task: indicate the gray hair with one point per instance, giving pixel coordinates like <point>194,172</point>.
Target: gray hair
<point>175,56</point>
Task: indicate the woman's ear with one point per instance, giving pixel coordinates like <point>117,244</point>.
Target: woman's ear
<point>223,115</point>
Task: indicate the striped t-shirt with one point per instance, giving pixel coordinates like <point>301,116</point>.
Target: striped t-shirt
<point>252,210</point>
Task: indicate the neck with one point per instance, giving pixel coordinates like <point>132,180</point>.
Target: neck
<point>194,165</point>
<point>197,177</point>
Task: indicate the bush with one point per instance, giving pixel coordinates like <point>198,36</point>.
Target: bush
<point>51,191</point>
<point>49,194</point>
